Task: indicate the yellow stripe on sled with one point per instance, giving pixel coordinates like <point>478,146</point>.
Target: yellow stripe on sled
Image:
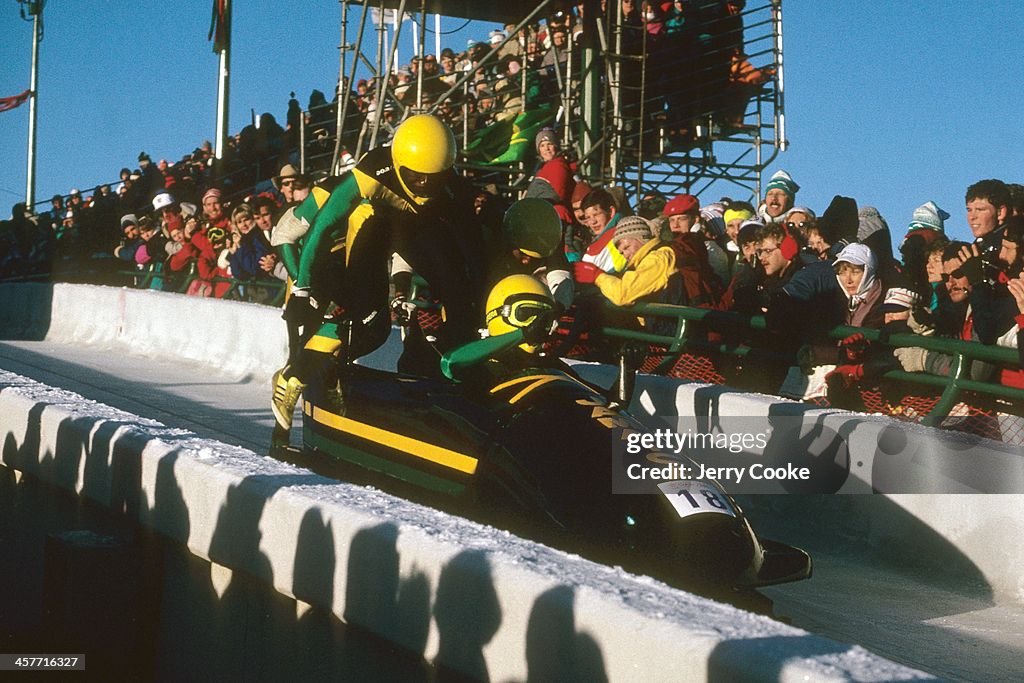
<point>517,380</point>
<point>531,387</point>
<point>406,444</point>
<point>535,382</point>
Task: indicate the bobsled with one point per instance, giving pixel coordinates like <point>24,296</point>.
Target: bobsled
<point>532,453</point>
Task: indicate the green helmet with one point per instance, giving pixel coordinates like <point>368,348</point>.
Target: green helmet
<point>533,227</point>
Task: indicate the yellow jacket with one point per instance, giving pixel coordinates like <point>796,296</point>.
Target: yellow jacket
<point>646,273</point>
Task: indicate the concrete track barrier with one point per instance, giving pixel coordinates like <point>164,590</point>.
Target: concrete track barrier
<point>461,595</point>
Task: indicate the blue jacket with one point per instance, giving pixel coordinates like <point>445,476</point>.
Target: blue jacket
<point>245,262</point>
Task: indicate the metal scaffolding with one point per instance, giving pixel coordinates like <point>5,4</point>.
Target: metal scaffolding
<point>607,97</point>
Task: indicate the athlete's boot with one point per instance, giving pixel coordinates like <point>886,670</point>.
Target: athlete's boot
<point>286,394</point>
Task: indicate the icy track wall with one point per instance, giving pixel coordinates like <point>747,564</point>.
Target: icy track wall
<point>461,595</point>
<point>241,340</point>
<point>248,340</point>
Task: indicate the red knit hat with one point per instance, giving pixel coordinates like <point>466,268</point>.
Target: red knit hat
<point>580,192</point>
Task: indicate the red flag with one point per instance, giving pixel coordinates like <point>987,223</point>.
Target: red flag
<point>7,103</point>
<point>220,25</point>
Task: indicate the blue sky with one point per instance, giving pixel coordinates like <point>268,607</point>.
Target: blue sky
<point>893,103</point>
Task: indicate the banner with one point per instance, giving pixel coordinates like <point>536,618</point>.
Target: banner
<point>389,16</point>
<point>15,101</point>
<point>219,27</point>
<point>508,141</point>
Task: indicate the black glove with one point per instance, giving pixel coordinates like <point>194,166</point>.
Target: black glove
<point>973,269</point>
<point>298,310</point>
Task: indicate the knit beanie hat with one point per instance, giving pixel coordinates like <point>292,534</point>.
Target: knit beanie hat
<point>711,217</point>
<point>581,191</point>
<point>928,216</point>
<point>782,181</point>
<point>635,227</point>
<point>548,134</point>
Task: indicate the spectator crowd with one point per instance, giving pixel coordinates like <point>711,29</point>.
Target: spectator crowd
<point>809,271</point>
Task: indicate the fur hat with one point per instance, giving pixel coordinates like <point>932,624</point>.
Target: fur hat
<point>839,221</point>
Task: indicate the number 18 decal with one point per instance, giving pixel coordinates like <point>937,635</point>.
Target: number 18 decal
<point>695,497</point>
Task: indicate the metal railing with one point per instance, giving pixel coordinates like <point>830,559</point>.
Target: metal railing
<point>689,321</point>
<point>151,277</point>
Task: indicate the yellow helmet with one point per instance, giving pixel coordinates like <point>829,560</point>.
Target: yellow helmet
<point>424,145</point>
<point>516,302</point>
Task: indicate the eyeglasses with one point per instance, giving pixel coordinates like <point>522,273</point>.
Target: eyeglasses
<point>764,252</point>
<point>799,226</point>
<point>946,277</point>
